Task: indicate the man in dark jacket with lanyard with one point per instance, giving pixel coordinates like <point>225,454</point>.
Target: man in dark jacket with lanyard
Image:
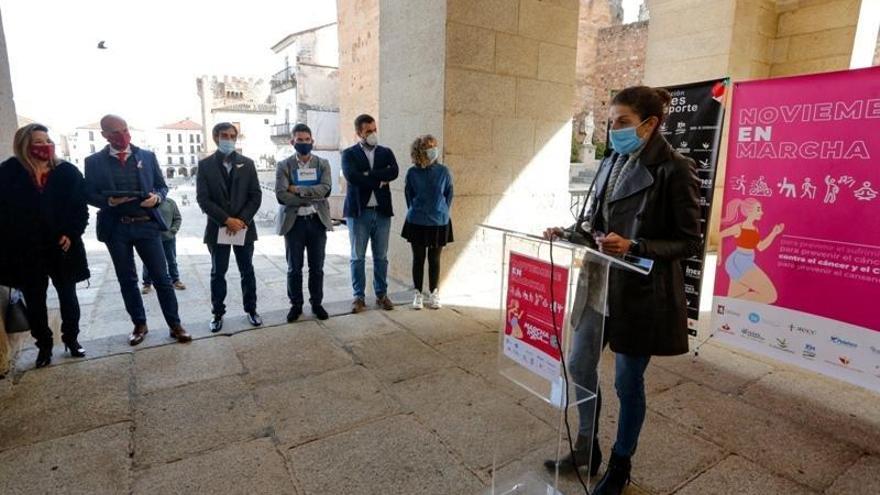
<point>368,168</point>
<point>126,184</point>
<point>228,191</point>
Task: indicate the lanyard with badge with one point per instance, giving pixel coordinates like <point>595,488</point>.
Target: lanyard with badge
<point>305,176</point>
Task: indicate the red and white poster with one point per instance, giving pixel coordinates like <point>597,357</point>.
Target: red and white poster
<point>530,338</point>
<point>799,265</point>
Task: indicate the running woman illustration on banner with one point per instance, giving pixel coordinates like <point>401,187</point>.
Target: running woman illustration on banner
<point>747,280</point>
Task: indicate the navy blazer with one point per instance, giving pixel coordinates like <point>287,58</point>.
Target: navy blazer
<point>99,179</point>
<point>363,180</point>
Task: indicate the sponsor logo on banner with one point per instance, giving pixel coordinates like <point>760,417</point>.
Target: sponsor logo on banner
<point>720,309</point>
<point>782,345</point>
<point>809,351</point>
<point>802,330</point>
<point>844,361</point>
<point>875,349</point>
<point>754,317</point>
<point>843,342</point>
<point>726,329</point>
<point>693,272</point>
<point>752,335</point>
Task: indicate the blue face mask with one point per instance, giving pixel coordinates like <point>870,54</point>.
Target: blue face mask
<point>226,146</point>
<point>626,141</point>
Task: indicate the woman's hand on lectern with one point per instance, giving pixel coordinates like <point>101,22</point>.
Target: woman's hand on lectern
<point>554,233</point>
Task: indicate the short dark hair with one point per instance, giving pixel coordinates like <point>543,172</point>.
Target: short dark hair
<point>301,128</point>
<point>362,119</point>
<point>222,126</point>
<point>644,101</point>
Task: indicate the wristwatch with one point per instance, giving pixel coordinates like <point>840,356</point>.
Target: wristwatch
<point>634,247</point>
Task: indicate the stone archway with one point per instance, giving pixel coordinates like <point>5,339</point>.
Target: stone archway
<point>183,172</point>
<point>169,173</point>
<point>193,171</point>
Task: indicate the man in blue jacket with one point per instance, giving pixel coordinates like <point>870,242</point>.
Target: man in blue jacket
<point>126,184</point>
<point>368,168</point>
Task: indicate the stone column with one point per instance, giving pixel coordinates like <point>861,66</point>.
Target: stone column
<point>8,119</point>
<point>494,81</point>
<point>8,125</point>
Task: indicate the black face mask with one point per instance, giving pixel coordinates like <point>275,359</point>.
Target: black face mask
<point>304,149</point>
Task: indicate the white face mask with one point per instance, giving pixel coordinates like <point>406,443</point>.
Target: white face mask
<point>433,154</point>
<point>372,139</point>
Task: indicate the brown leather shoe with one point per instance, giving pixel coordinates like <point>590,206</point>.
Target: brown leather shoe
<point>177,332</point>
<point>385,303</point>
<point>137,335</point>
<point>358,305</point>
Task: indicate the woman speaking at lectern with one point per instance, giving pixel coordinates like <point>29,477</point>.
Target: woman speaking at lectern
<point>644,202</point>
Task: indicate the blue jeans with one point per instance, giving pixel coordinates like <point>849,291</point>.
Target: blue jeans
<point>170,248</point>
<point>374,228</point>
<point>309,234</point>
<point>629,382</point>
<point>145,239</point>
<point>244,258</point>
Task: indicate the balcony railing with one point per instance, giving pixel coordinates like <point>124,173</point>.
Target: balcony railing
<point>282,131</point>
<point>283,79</point>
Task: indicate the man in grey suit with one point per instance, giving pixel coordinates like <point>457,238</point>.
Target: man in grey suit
<point>228,191</point>
<point>302,185</point>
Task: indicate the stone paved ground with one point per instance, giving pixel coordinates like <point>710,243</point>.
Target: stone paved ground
<point>406,402</point>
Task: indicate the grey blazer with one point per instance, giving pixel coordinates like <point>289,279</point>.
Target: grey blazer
<point>315,195</point>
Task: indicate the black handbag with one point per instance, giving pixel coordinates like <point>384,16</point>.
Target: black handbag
<point>16,313</point>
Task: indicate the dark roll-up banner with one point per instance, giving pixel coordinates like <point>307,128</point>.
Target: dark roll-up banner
<point>693,128</point>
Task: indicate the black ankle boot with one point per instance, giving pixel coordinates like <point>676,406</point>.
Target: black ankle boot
<point>44,357</point>
<point>616,476</point>
<point>581,455</point>
<point>72,346</point>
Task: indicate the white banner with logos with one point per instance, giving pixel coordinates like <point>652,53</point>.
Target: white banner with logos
<point>824,345</point>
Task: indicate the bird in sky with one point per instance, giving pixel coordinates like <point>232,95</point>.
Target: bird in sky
<point>101,45</point>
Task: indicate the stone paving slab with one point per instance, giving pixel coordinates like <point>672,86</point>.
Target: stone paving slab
<point>434,327</point>
<point>668,455</point>
<point>91,462</point>
<point>738,476</point>
<point>840,410</point>
<point>774,442</point>
<point>478,353</point>
<point>314,407</point>
<point>479,431</point>
<point>179,364</point>
<point>166,428</point>
<point>290,351</point>
<point>62,400</point>
<point>251,468</point>
<point>444,386</point>
<point>349,328</point>
<point>396,357</point>
<point>394,455</point>
<point>863,478</point>
<point>716,367</point>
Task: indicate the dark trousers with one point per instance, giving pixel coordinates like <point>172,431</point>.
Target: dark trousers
<point>418,268</point>
<point>244,258</point>
<point>145,239</point>
<point>170,248</point>
<point>309,234</point>
<point>37,312</point>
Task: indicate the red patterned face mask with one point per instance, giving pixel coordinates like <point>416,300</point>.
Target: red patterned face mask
<point>43,152</point>
<point>120,140</point>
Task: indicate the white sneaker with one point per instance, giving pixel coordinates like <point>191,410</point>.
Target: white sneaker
<point>418,302</point>
<point>434,299</point>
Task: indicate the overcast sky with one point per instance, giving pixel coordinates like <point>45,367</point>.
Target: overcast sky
<point>156,49</point>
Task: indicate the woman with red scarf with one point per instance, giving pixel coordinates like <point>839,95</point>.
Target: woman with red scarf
<point>43,215</point>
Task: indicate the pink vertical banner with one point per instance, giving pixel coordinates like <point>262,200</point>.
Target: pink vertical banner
<point>799,264</point>
<point>533,323</point>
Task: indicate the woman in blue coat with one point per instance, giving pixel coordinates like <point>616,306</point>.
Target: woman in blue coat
<point>428,228</point>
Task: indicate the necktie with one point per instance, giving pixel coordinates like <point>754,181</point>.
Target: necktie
<point>122,156</point>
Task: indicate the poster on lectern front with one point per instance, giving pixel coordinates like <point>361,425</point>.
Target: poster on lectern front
<point>531,336</point>
<point>799,261</point>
